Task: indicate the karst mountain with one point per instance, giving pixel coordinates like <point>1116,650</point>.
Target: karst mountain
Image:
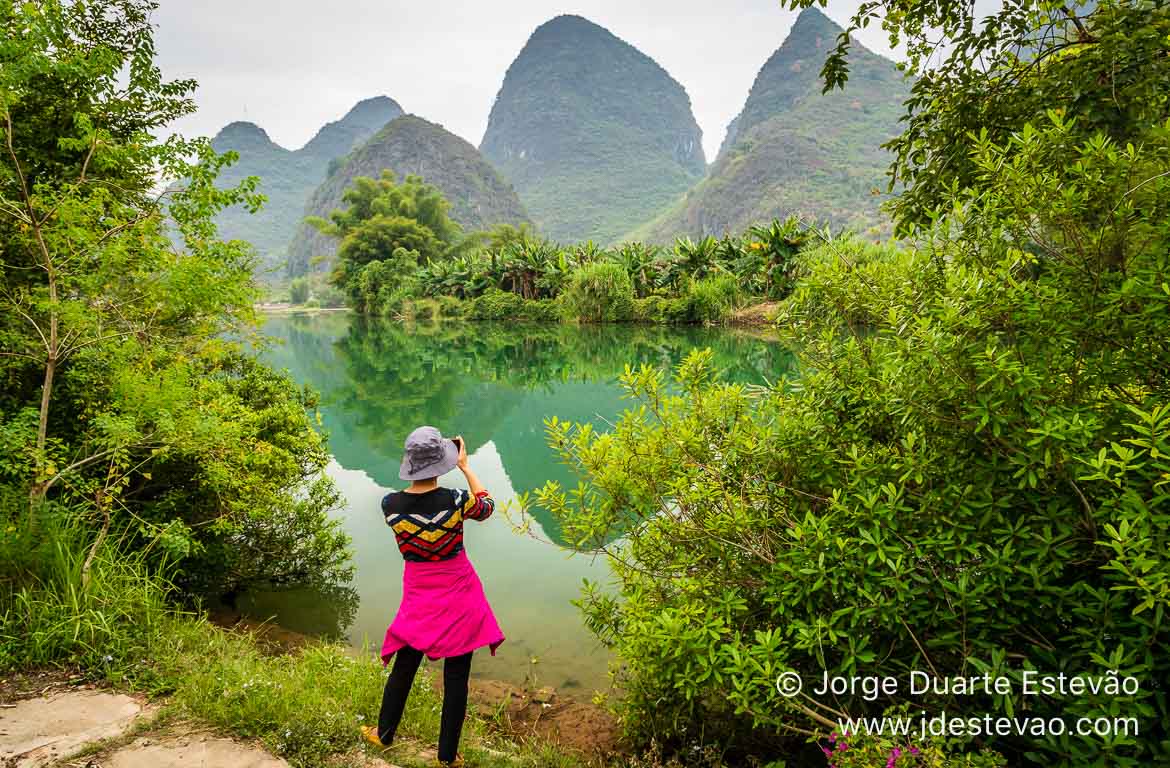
<point>793,150</point>
<point>594,134</point>
<point>288,177</point>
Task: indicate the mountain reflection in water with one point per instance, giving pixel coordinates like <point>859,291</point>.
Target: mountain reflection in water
<point>494,383</point>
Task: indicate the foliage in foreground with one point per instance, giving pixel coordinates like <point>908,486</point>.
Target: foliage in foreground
<point>122,397</point>
<point>971,476</point>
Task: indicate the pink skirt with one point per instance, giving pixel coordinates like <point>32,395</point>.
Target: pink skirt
<point>443,612</point>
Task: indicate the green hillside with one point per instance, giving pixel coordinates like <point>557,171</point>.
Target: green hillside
<point>288,177</point>
<point>594,134</point>
<point>479,196</point>
<point>794,150</point>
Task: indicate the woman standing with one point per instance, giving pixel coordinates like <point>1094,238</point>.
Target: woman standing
<point>444,613</point>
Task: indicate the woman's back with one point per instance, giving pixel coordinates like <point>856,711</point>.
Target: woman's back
<point>429,526</point>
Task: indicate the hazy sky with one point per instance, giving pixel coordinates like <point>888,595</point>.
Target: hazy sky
<point>293,65</point>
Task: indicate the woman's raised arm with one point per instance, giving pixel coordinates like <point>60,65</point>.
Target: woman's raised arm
<point>481,505</point>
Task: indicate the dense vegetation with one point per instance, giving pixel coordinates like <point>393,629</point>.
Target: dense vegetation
<point>127,409</point>
<point>288,177</point>
<point>795,151</point>
<point>971,474</point>
<point>595,135</point>
<point>400,255</point>
<point>478,197</point>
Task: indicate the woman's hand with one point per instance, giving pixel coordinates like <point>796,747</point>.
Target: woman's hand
<point>472,481</point>
<point>462,462</point>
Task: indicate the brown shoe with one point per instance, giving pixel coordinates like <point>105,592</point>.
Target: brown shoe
<point>370,732</point>
<point>456,763</point>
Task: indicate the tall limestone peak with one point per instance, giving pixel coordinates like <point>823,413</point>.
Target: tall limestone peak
<point>792,72</point>
<point>478,195</point>
<point>288,177</point>
<point>595,135</point>
<point>361,122</point>
<point>794,150</point>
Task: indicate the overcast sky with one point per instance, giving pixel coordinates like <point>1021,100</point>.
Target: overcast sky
<point>293,65</point>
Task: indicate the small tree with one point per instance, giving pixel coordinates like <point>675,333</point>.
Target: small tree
<point>383,216</point>
<point>299,290</point>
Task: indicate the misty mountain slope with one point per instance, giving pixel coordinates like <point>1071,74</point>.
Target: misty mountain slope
<point>288,177</point>
<point>595,136</point>
<point>479,196</point>
<point>794,150</point>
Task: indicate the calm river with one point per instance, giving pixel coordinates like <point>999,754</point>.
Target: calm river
<point>494,384</point>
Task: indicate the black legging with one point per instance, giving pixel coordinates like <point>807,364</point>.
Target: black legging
<point>456,672</point>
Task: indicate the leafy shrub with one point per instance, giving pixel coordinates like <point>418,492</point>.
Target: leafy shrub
<point>599,292</point>
<point>971,477</point>
<point>449,306</point>
<point>495,304</point>
<point>712,299</point>
<point>543,310</point>
<point>426,310</point>
<point>299,291</point>
<point>849,751</point>
<point>661,309</point>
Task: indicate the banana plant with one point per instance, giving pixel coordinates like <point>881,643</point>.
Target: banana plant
<point>639,260</point>
<point>777,243</point>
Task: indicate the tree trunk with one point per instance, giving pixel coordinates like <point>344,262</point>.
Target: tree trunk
<point>97,543</point>
<point>52,350</point>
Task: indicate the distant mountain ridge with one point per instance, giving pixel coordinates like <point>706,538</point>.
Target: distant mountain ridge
<point>594,134</point>
<point>479,196</point>
<point>288,177</point>
<point>793,150</point>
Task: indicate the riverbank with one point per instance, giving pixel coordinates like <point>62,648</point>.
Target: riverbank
<point>283,307</point>
<point>236,698</point>
<point>510,307</point>
<point>523,712</point>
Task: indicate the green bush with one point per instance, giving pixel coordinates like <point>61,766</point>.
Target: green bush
<point>449,306</point>
<point>425,310</point>
<point>712,299</point>
<point>661,310</point>
<point>299,291</point>
<point>854,751</point>
<point>542,310</point>
<point>971,477</point>
<point>599,292</point>
<point>495,304</point>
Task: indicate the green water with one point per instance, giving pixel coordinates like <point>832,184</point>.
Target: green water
<point>494,384</point>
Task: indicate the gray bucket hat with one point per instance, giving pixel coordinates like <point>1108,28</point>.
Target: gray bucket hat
<point>428,454</point>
